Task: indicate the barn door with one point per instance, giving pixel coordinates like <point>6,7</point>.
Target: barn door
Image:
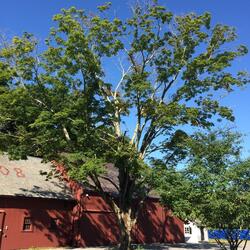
<point>2,217</point>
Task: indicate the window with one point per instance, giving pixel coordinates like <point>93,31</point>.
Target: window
<point>27,224</point>
<point>188,230</point>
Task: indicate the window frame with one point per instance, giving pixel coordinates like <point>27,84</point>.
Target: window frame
<point>31,229</point>
<point>187,230</point>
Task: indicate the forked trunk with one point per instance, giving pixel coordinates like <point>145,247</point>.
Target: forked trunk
<point>233,246</point>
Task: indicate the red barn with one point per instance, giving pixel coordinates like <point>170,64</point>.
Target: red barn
<point>35,212</point>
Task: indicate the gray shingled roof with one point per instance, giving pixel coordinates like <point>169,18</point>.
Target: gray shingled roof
<point>112,174</point>
<point>23,178</point>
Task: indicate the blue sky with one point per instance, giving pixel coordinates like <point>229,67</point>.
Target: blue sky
<point>17,16</point>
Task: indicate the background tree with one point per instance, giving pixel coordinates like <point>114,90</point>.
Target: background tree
<point>214,188</point>
<point>59,105</point>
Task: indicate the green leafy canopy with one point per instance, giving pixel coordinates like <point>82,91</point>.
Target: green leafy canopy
<point>213,189</point>
<point>57,103</point>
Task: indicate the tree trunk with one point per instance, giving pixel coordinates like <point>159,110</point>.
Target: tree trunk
<point>233,246</point>
<point>126,224</point>
<point>125,240</point>
<point>245,244</point>
<point>202,233</point>
<point>221,245</point>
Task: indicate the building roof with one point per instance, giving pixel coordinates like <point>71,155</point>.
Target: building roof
<point>111,179</point>
<point>24,178</point>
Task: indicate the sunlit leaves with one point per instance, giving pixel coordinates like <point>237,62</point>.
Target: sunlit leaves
<point>213,188</point>
<point>58,104</point>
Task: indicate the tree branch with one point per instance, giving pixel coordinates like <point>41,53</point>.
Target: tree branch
<point>112,182</point>
<point>66,134</point>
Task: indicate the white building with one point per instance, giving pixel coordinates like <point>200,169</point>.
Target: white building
<point>194,233</point>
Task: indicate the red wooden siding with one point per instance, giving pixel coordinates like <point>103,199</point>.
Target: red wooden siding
<point>97,224</point>
<point>92,224</point>
<point>156,224</point>
<point>85,221</point>
<point>40,211</point>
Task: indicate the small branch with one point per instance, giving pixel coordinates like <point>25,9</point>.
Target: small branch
<point>66,133</point>
<point>134,64</point>
<point>10,135</point>
<point>148,138</point>
<point>105,94</point>
<point>124,73</point>
<point>167,87</point>
<point>135,134</point>
<point>137,131</point>
<point>156,87</point>
<point>106,196</point>
<point>220,244</point>
<point>112,182</point>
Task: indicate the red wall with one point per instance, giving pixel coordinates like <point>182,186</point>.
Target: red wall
<point>156,224</point>
<point>96,224</point>
<point>40,211</point>
<point>86,222</point>
<point>91,224</point>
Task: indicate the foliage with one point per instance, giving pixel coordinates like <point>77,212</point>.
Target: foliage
<point>58,104</point>
<point>214,189</point>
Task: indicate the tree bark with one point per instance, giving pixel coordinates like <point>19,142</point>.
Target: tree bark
<point>245,244</point>
<point>125,241</point>
<point>125,221</point>
<point>233,246</point>
<point>126,224</point>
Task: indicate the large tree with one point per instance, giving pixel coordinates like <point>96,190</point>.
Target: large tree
<point>60,105</point>
<point>214,188</point>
